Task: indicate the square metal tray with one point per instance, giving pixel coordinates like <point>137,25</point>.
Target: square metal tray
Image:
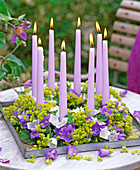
<point>63,150</point>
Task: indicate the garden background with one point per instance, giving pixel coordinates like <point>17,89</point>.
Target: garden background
<point>65,15</point>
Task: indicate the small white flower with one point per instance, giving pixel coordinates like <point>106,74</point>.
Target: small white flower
<point>33,124</point>
<point>56,108</point>
<point>99,121</point>
<point>55,121</point>
<point>78,110</point>
<point>104,133</point>
<point>96,112</point>
<point>22,115</point>
<point>34,98</point>
<point>52,143</point>
<point>113,136</point>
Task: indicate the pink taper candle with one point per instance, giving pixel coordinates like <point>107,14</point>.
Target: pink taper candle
<point>99,61</point>
<point>51,61</point>
<point>40,88</point>
<point>77,62</point>
<point>90,92</point>
<point>63,87</point>
<point>105,96</point>
<point>34,62</point>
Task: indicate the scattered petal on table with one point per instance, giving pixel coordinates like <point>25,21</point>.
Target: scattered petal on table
<point>4,160</point>
<point>123,93</point>
<point>136,114</point>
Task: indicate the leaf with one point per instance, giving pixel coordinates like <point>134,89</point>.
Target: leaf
<point>4,17</point>
<point>16,23</point>
<point>2,35</point>
<point>25,135</point>
<point>69,117</point>
<point>3,69</point>
<point>2,43</point>
<point>16,60</point>
<point>2,74</point>
<point>101,117</point>
<point>3,8</point>
<point>21,17</point>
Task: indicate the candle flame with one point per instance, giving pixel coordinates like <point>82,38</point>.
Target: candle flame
<point>105,33</point>
<point>51,23</point>
<point>91,39</point>
<point>63,45</point>
<point>78,22</point>
<point>98,27</point>
<point>39,41</point>
<point>35,28</point>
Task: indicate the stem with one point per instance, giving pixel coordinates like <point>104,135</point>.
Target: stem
<point>10,23</point>
<point>9,54</point>
<point>10,83</point>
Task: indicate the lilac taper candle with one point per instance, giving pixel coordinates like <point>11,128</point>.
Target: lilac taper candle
<point>105,96</point>
<point>99,61</point>
<point>40,88</point>
<point>77,62</point>
<point>51,61</point>
<point>90,92</point>
<point>63,87</point>
<point>34,62</point>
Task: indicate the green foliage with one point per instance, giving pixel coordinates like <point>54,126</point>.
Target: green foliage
<point>25,135</point>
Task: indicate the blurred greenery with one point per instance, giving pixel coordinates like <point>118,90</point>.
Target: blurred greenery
<point>65,13</point>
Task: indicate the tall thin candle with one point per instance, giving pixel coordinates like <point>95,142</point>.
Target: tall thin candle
<point>34,62</point>
<point>105,97</point>
<point>99,61</point>
<point>40,88</point>
<point>51,61</point>
<point>90,92</point>
<point>63,88</point>
<point>77,63</point>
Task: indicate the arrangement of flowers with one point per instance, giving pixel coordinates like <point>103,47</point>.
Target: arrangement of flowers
<point>40,126</point>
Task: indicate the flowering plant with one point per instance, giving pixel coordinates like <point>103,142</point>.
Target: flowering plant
<point>40,125</point>
<point>10,65</point>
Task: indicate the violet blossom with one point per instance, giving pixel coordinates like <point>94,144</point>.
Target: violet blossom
<point>28,84</point>
<point>103,110</point>
<point>45,121</point>
<point>103,152</point>
<point>136,114</point>
<point>66,132</point>
<point>34,134</point>
<point>51,154</point>
<point>71,150</point>
<point>117,129</point>
<point>19,30</point>
<point>96,129</point>
<point>121,136</point>
<point>57,130</point>
<point>123,93</point>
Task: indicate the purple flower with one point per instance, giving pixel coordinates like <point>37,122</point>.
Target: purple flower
<point>96,129</point>
<point>117,104</point>
<point>71,150</point>
<point>121,136</point>
<point>19,30</point>
<point>34,134</point>
<point>15,114</point>
<point>123,93</point>
<point>107,122</point>
<point>0,149</point>
<point>89,117</point>
<point>136,114</point>
<point>103,152</point>
<point>24,123</point>
<point>4,160</point>
<point>115,127</point>
<point>74,92</point>
<point>45,121</point>
<point>110,112</point>
<point>51,154</point>
<point>103,110</point>
<point>28,84</point>
<point>66,132</point>
<point>57,130</point>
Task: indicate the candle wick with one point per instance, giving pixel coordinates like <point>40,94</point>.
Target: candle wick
<point>91,46</point>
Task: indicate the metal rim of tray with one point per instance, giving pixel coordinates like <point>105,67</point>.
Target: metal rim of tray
<point>63,149</point>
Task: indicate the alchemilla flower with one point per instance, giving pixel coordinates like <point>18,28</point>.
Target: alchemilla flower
<point>51,154</point>
<point>19,30</point>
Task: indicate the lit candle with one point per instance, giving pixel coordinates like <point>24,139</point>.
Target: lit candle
<point>90,92</point>
<point>77,63</point>
<point>105,97</point>
<point>51,61</point>
<point>99,61</point>
<point>63,88</point>
<point>40,88</point>
<point>34,62</point>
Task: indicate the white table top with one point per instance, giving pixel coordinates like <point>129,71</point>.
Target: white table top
<point>121,161</point>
